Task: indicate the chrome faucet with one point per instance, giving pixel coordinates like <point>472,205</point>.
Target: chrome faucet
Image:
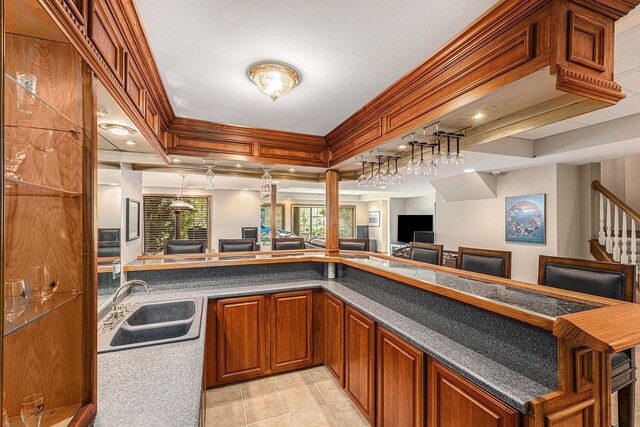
<point>118,311</point>
<point>114,302</point>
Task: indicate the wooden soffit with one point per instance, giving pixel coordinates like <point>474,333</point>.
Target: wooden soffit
<point>573,40</point>
<point>201,138</point>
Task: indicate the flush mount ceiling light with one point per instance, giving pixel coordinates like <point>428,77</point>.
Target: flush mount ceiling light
<point>274,79</point>
<point>477,116</point>
<point>118,130</point>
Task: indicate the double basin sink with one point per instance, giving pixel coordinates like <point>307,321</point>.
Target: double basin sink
<point>153,323</point>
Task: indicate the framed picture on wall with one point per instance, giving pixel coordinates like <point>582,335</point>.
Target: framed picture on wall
<point>525,219</point>
<point>133,219</point>
<point>374,219</point>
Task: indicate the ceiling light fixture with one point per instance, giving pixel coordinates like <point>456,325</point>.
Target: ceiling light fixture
<point>402,146</point>
<point>292,170</point>
<point>102,112</point>
<point>118,130</point>
<point>469,170</point>
<point>274,79</point>
<point>238,165</point>
<point>130,142</point>
<point>179,205</point>
<point>477,116</point>
<point>175,160</point>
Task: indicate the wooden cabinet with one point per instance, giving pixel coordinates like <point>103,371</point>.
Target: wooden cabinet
<point>399,382</point>
<point>454,401</point>
<point>241,338</point>
<point>359,366</point>
<point>333,335</point>
<point>135,87</point>
<point>291,321</point>
<point>107,38</point>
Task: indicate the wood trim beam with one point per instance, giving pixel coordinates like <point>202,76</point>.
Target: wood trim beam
<point>333,212</point>
<point>207,139</point>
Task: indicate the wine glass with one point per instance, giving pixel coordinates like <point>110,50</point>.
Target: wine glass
<point>14,155</point>
<point>41,281</point>
<point>15,298</point>
<point>32,410</point>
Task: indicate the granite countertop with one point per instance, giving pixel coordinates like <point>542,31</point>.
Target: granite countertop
<point>161,385</point>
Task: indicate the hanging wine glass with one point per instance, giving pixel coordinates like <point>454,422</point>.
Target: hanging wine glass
<point>370,177</point>
<point>377,178</point>
<point>440,158</point>
<point>387,174</point>
<point>412,163</point>
<point>458,158</point>
<point>432,167</point>
<point>422,165</point>
<point>362,179</point>
<point>397,176</point>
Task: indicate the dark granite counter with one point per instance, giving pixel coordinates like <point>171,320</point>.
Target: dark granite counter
<point>511,360</point>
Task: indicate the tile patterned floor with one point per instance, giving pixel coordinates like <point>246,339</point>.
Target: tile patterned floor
<point>310,398</point>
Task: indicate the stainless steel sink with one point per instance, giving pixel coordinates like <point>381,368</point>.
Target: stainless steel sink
<point>152,324</point>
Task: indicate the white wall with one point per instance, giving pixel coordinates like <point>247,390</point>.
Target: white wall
<point>131,183</point>
<point>109,206</point>
<point>480,223</point>
<point>381,234</point>
<point>568,228</point>
<point>424,205</point>
<point>589,208</point>
<point>232,210</point>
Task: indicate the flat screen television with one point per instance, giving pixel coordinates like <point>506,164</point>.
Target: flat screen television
<point>408,224</point>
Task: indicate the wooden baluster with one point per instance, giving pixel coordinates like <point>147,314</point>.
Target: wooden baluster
<point>624,258</point>
<point>633,242</point>
<point>601,233</point>
<point>616,235</point>
<point>609,240</point>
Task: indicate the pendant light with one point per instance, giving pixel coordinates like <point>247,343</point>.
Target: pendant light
<point>179,205</point>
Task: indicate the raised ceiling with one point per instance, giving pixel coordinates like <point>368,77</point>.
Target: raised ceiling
<point>347,53</point>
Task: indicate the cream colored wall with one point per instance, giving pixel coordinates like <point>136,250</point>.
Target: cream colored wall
<point>480,223</point>
<point>131,184</point>
<point>381,234</point>
<point>109,206</point>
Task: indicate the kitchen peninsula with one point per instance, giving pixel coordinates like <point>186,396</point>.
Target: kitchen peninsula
<point>503,351</point>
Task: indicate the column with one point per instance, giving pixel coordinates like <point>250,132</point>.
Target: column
<point>333,203</point>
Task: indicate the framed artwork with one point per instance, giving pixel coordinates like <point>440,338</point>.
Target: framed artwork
<point>133,219</point>
<point>374,219</point>
<point>525,219</point>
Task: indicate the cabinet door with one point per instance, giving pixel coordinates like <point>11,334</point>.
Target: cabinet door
<point>333,335</point>
<point>400,382</point>
<point>359,366</point>
<point>291,330</point>
<point>454,401</point>
<point>241,338</point>
<point>136,88</point>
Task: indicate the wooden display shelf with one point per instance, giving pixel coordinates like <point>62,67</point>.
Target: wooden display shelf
<point>16,187</point>
<point>36,309</point>
<point>56,417</point>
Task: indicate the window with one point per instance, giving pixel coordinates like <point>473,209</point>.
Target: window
<point>159,221</point>
<point>310,221</point>
<point>266,216</point>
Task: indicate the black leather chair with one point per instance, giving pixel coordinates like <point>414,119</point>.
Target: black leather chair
<point>108,242</point>
<point>287,243</point>
<point>236,245</point>
<point>353,244</point>
<point>250,233</point>
<point>485,261</point>
<point>186,246</point>
<point>604,279</point>
<point>428,253</point>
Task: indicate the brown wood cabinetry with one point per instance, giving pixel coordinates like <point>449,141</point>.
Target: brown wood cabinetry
<point>107,38</point>
<point>454,401</point>
<point>241,338</point>
<point>399,382</point>
<point>135,87</point>
<point>359,361</point>
<point>291,330</point>
<point>333,330</point>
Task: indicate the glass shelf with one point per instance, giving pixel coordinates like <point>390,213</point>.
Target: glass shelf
<point>37,113</point>
<point>38,308</point>
<point>16,187</point>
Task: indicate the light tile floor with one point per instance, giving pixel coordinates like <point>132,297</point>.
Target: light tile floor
<point>310,398</point>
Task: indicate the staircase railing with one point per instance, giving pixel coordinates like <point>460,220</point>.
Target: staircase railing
<point>618,240</point>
